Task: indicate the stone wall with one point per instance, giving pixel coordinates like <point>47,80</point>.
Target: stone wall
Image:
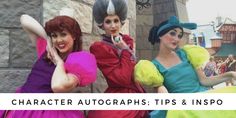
<point>18,53</point>
<point>143,25</point>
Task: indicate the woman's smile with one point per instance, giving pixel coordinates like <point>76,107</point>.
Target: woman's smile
<point>61,46</point>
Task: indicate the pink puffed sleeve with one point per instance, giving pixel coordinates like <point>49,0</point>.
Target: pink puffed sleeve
<point>83,65</point>
<point>41,44</point>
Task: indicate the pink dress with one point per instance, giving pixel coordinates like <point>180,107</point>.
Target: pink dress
<point>82,64</point>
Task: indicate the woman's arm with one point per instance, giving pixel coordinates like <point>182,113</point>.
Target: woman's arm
<point>32,27</point>
<point>214,80</point>
<point>62,81</point>
<point>161,89</point>
<point>36,33</point>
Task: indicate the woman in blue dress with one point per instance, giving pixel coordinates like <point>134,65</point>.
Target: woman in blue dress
<point>179,69</point>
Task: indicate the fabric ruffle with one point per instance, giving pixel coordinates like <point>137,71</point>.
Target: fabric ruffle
<point>42,114</point>
<point>197,55</point>
<point>228,89</point>
<point>83,65</point>
<point>201,114</point>
<point>147,74</point>
<point>41,45</point>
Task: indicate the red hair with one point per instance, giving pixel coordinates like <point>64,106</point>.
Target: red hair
<point>60,23</point>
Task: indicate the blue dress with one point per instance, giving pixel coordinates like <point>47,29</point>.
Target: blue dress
<point>180,78</point>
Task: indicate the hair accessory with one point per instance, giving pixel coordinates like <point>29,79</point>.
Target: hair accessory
<point>104,8</point>
<point>111,8</point>
<point>174,22</point>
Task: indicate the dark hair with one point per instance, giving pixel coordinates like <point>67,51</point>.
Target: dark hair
<point>100,10</point>
<point>154,37</point>
<point>60,23</point>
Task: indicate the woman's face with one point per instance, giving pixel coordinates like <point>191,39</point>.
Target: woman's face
<point>112,25</point>
<point>63,41</point>
<point>171,39</point>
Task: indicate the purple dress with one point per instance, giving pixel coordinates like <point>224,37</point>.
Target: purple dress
<point>39,81</point>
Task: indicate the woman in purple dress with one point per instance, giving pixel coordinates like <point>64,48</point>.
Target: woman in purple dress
<point>60,68</point>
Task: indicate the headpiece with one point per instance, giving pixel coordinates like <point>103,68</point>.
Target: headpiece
<point>103,8</point>
<point>174,22</point>
<point>166,26</point>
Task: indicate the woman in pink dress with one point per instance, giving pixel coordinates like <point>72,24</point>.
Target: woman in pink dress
<point>60,68</point>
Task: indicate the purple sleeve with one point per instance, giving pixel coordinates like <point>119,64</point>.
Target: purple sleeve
<point>83,65</point>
